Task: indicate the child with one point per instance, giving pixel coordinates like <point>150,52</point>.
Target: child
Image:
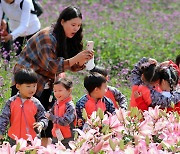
<point>63,113</point>
<point>96,86</point>
<point>118,99</point>
<point>145,78</point>
<point>23,112</point>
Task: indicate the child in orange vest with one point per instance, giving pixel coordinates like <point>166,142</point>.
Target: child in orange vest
<point>96,86</point>
<point>23,112</point>
<point>63,113</point>
<point>118,99</point>
<point>148,82</point>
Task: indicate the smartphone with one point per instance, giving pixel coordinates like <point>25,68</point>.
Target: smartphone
<point>90,45</point>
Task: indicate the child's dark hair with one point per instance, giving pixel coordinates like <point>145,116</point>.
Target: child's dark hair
<point>178,60</point>
<point>67,83</point>
<point>93,80</point>
<point>99,70</point>
<point>169,74</point>
<point>151,72</point>
<point>25,75</point>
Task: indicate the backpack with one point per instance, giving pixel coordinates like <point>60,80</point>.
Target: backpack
<point>38,10</point>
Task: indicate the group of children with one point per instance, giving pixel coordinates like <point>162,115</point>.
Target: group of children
<point>152,85</point>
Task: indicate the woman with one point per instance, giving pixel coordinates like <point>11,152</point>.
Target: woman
<point>22,23</point>
<point>54,50</point>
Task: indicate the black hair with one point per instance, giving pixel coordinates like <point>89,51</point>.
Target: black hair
<point>68,47</point>
<point>25,76</point>
<point>170,75</point>
<point>151,72</point>
<point>93,80</point>
<point>67,83</point>
<point>99,70</point>
<point>178,60</point>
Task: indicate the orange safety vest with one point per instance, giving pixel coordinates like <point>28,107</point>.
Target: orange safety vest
<point>19,123</point>
<point>91,105</point>
<point>60,110</point>
<point>110,95</point>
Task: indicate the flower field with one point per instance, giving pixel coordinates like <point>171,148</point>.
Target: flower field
<point>123,32</point>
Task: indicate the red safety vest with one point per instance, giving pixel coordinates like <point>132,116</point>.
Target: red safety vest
<point>59,110</point>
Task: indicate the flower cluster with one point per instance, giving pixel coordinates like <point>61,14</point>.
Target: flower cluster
<point>153,131</point>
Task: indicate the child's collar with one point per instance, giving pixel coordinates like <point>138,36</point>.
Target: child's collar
<point>68,99</point>
<point>93,99</point>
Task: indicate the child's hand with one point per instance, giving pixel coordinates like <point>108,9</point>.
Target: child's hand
<point>79,122</point>
<point>38,125</point>
<point>152,61</point>
<point>47,114</point>
<point>137,94</point>
<point>165,63</point>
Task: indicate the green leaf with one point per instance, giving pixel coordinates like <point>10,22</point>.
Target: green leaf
<point>112,144</point>
<point>101,114</point>
<point>84,114</point>
<point>105,129</point>
<point>121,144</point>
<point>139,116</point>
<point>76,135</point>
<point>34,151</point>
<point>132,114</point>
<point>18,147</point>
<point>147,140</point>
<point>172,105</point>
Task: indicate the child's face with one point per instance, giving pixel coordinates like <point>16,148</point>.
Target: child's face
<point>60,92</point>
<point>27,90</point>
<point>100,92</point>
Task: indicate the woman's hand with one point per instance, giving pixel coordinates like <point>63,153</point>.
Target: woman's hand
<point>3,26</point>
<point>81,58</point>
<point>152,61</point>
<point>6,38</point>
<point>164,64</point>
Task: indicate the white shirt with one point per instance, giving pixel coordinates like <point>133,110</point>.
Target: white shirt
<point>21,21</point>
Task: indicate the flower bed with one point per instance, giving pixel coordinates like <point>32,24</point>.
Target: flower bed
<point>153,131</point>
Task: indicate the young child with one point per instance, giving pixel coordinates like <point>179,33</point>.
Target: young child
<point>63,113</point>
<point>23,112</point>
<point>118,99</point>
<point>145,78</point>
<point>96,86</point>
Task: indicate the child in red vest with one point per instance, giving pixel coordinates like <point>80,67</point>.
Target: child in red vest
<point>149,81</point>
<point>63,113</point>
<point>96,86</point>
<point>23,111</point>
<point>118,99</point>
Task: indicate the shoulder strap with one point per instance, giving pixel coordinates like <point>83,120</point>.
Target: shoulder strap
<point>21,4</point>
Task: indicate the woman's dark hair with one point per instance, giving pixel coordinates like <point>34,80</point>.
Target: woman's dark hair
<point>178,60</point>
<point>93,80</point>
<point>25,76</point>
<point>170,75</point>
<point>151,73</point>
<point>100,70</point>
<point>68,47</point>
<point>67,83</point>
